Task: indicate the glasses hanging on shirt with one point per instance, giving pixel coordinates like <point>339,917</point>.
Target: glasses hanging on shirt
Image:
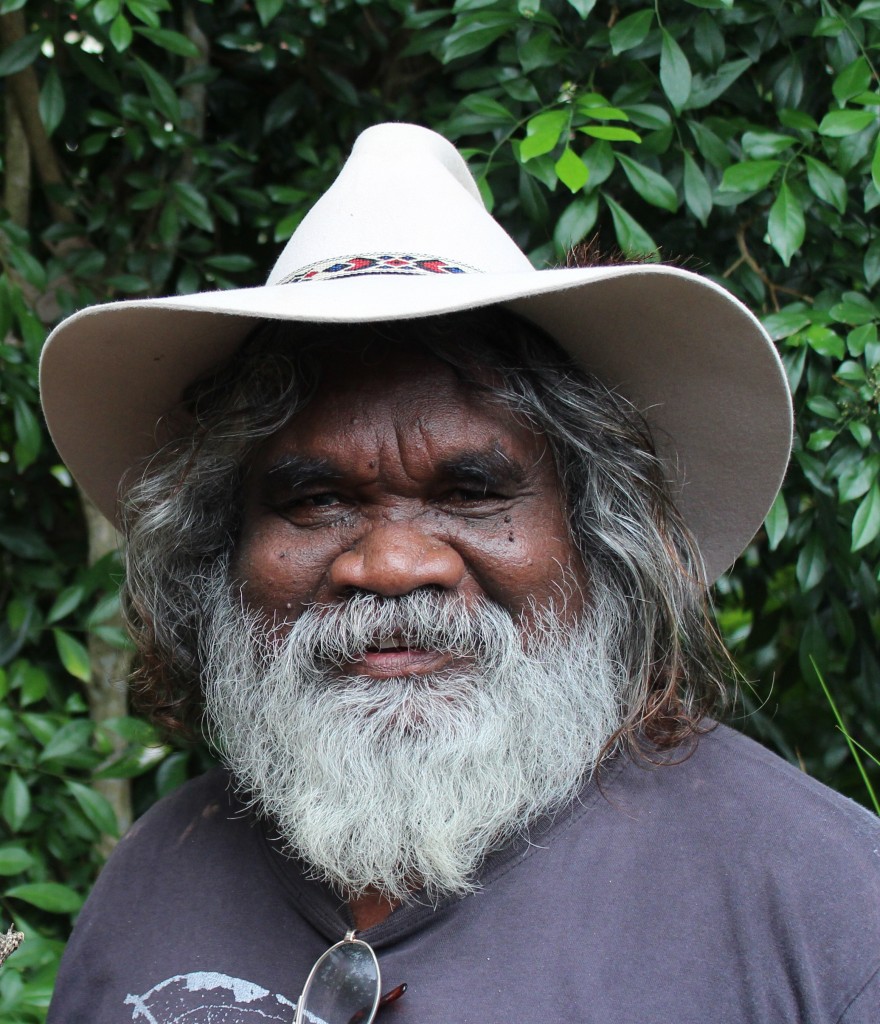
<point>344,986</point>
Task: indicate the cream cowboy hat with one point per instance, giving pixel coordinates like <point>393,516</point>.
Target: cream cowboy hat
<point>403,233</point>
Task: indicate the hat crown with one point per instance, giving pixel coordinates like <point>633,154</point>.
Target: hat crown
<point>404,192</point>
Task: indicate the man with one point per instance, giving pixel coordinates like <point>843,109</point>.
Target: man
<point>422,536</point>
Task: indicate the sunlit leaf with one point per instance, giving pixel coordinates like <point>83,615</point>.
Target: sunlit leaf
<point>543,133</point>
<point>572,171</point>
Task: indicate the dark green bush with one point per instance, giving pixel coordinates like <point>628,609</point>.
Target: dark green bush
<point>154,146</point>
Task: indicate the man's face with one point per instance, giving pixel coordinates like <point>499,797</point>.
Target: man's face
<point>411,680</point>
<point>397,477</point>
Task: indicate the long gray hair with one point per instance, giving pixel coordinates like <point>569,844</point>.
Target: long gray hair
<point>182,517</point>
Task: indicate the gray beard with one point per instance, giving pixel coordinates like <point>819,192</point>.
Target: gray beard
<point>407,784</point>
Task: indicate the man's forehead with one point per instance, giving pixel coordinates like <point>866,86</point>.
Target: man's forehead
<point>369,396</point>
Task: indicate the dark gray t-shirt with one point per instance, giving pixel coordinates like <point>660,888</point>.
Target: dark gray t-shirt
<point>728,888</point>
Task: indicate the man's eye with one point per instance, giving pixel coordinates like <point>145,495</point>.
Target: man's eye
<point>323,500</point>
<point>471,494</point>
<point>304,503</point>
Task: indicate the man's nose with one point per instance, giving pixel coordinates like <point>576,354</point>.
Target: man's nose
<point>392,559</point>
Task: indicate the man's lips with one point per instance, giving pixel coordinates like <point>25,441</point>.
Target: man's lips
<point>392,658</point>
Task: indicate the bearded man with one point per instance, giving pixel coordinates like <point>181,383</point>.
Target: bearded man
<point>423,541</point>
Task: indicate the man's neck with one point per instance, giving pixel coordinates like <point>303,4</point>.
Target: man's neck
<point>370,909</point>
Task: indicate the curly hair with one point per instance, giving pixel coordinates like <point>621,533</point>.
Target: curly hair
<point>181,518</point>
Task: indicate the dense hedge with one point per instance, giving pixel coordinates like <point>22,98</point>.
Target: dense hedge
<point>154,146</point>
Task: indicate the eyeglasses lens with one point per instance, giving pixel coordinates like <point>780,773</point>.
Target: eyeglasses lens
<point>343,987</point>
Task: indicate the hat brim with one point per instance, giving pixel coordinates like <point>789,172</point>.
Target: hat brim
<point>688,355</point>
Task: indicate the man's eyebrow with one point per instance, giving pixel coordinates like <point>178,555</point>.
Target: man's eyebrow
<point>491,467</point>
<point>297,470</point>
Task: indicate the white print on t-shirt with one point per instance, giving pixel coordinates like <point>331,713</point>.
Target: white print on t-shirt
<point>208,998</point>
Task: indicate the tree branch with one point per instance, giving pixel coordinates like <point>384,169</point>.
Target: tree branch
<point>25,91</point>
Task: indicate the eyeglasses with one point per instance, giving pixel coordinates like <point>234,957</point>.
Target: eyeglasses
<point>344,986</point>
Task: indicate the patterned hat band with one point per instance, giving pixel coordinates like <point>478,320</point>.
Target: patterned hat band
<point>375,263</point>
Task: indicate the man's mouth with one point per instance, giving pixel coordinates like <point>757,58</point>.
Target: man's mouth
<point>394,656</point>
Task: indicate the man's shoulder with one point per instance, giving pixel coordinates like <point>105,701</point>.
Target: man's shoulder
<point>756,777</point>
<point>204,804</point>
<point>744,805</point>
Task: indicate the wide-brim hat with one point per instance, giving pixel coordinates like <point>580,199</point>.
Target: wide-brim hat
<point>403,233</point>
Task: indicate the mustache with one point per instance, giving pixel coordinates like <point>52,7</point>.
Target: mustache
<point>336,634</point>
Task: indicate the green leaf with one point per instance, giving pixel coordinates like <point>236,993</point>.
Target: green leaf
<point>838,123</point>
<point>231,263</point>
<point>95,807</point>
<point>875,164</point>
<point>630,31</point>
<point>825,341</point>
<point>583,7</point>
<point>866,521</point>
<point>543,132</point>
<point>571,170</point>
<point>650,185</point>
<point>749,176</point>
<point>121,33</point>
<point>610,133</point>
<point>763,144</point>
<point>869,10</point>
<point>784,324</point>
<point>776,523</point>
<point>855,78</point>
<point>697,191</point>
<point>193,205</point>
<point>710,146</point>
<point>577,220</point>
<point>861,432</point>
<point>812,563</point>
<point>855,310</point>
<point>599,111</point>
<point>144,12</point>
<point>49,896</point>
<point>160,91</point>
<point>20,54</point>
<point>823,406</point>
<point>52,103</point>
<point>675,71</point>
<point>105,10</point>
<point>28,434</point>
<point>74,657</point>
<point>858,340</point>
<point>631,236</point>
<point>268,10</point>
<point>14,860</point>
<point>785,226</point>
<point>25,543</point>
<point>871,263</point>
<point>72,738</point>
<point>15,805</point>
<point>857,479</point>
<point>475,33</point>
<point>828,185</point>
<point>819,440</point>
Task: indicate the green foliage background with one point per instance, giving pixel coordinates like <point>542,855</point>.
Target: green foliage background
<point>174,146</point>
